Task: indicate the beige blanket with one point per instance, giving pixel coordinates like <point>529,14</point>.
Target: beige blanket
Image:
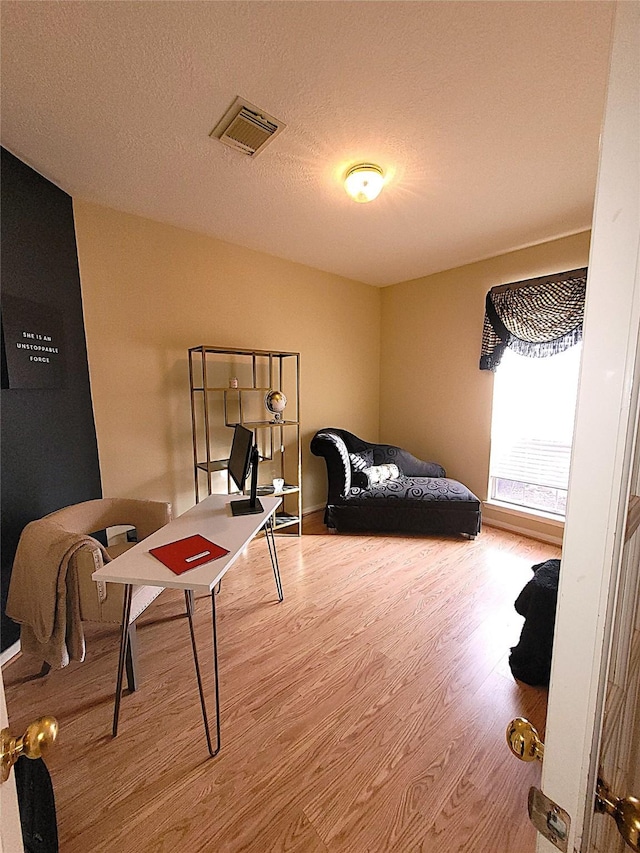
<point>43,592</point>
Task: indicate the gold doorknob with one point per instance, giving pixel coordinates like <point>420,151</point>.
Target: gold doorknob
<point>624,810</point>
<point>524,741</point>
<point>37,739</point>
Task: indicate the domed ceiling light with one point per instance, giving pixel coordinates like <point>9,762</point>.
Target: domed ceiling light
<point>364,182</point>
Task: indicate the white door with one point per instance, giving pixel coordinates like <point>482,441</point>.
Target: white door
<point>619,762</point>
<point>598,593</point>
<point>10,832</point>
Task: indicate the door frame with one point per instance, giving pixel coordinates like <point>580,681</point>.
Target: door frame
<point>10,829</point>
<point>600,471</point>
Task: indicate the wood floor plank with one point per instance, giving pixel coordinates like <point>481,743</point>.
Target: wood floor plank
<point>364,714</point>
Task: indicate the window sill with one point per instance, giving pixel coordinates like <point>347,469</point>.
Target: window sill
<point>531,514</point>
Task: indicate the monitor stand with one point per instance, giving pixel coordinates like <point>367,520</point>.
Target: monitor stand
<point>250,506</point>
<point>246,507</point>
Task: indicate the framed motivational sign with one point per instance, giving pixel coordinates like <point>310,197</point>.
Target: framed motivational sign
<point>33,338</point>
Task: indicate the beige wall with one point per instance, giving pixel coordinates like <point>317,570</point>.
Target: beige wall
<point>399,363</point>
<point>151,291</point>
<point>434,400</point>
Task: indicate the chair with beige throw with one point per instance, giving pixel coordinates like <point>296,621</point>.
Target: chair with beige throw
<point>51,591</point>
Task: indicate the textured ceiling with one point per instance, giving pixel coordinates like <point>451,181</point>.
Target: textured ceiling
<point>484,115</point>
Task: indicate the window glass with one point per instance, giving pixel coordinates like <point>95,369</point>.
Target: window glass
<point>534,405</point>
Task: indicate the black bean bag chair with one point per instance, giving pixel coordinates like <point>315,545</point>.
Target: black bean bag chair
<point>530,660</point>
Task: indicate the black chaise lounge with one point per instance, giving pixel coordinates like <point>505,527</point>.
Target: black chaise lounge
<point>379,487</point>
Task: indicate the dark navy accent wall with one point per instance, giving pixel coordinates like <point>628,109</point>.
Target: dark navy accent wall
<point>49,454</point>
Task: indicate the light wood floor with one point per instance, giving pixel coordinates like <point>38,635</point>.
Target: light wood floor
<point>366,713</point>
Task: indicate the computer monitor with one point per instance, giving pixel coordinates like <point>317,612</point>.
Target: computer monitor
<point>244,455</point>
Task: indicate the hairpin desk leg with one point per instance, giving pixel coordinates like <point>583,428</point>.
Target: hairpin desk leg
<point>131,658</point>
<point>215,666</point>
<point>124,643</point>
<point>271,543</point>
<point>189,603</point>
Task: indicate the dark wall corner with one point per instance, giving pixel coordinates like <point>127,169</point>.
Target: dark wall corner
<point>49,454</point>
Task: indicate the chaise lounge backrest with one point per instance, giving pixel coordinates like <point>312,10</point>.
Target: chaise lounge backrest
<point>335,445</point>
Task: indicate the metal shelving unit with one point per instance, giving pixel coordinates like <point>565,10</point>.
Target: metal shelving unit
<point>217,406</point>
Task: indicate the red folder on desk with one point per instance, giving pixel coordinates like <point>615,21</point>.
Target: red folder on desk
<point>185,554</point>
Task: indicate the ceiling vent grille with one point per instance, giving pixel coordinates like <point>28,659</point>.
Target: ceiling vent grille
<point>246,128</point>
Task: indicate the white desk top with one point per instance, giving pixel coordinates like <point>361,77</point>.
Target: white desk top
<point>210,518</point>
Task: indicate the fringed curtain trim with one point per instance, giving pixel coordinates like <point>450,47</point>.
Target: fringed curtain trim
<point>537,318</point>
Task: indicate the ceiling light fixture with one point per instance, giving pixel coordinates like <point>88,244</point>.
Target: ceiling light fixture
<point>364,182</point>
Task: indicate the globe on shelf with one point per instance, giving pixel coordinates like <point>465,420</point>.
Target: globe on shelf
<point>275,401</point>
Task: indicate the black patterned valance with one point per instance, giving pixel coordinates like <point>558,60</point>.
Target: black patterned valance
<point>538,318</point>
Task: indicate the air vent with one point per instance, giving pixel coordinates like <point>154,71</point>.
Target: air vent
<point>246,128</point>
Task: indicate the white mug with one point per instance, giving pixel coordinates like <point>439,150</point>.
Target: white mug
<point>278,484</point>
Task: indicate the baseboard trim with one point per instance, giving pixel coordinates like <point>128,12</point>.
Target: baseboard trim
<point>9,654</point>
<point>311,509</point>
<point>523,531</point>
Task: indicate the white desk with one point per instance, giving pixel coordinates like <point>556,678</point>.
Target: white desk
<point>212,519</point>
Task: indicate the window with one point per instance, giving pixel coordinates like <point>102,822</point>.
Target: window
<point>532,429</point>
